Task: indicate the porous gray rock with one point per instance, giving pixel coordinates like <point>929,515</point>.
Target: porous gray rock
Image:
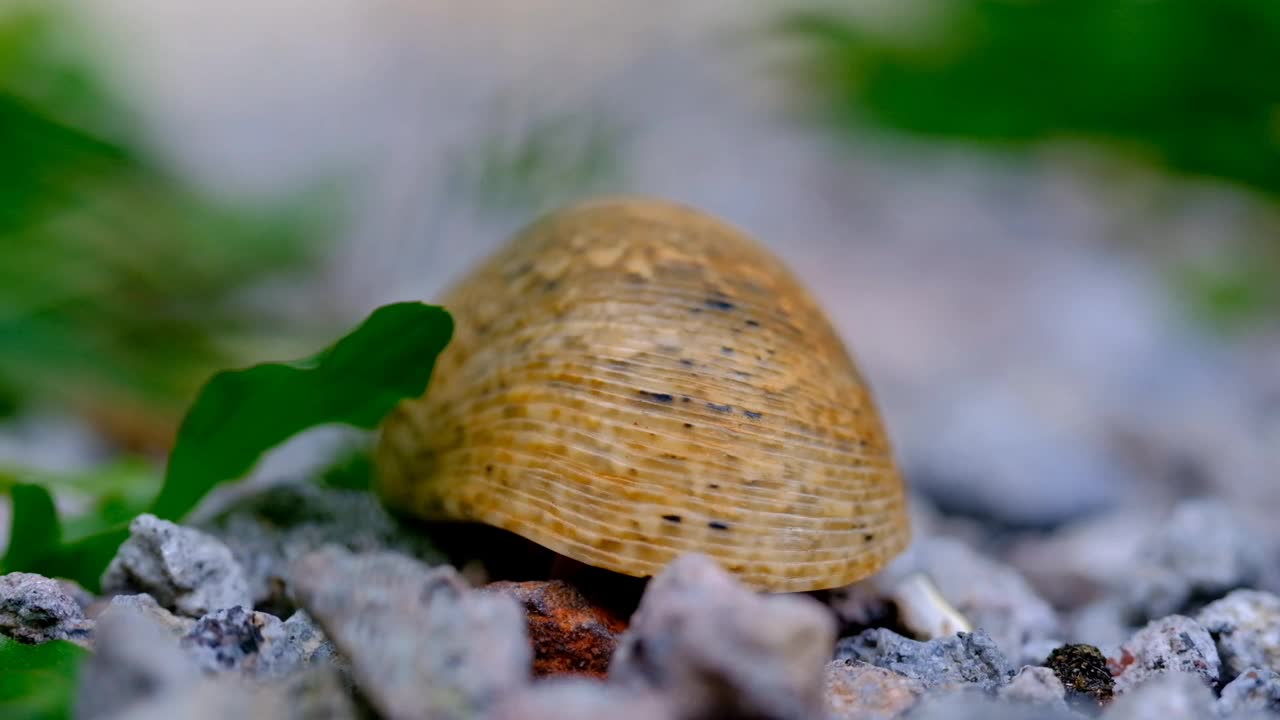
<point>185,570</point>
<point>1203,550</point>
<point>420,642</point>
<point>147,605</point>
<point>1172,644</point>
<point>1086,561</point>
<point>313,695</point>
<point>1246,627</point>
<point>1253,690</point>
<point>268,530</point>
<point>36,609</point>
<point>576,698</point>
<point>135,660</point>
<point>855,690</point>
<point>973,704</point>
<point>254,643</point>
<point>964,659</point>
<point>1171,695</point>
<point>717,649</point>
<point>1101,624</point>
<point>1035,685</point>
<point>993,596</point>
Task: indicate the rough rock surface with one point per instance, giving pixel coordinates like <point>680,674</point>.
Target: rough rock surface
<point>575,698</point>
<point>185,570</point>
<point>973,704</point>
<point>420,642</point>
<point>1034,685</point>
<point>1201,551</point>
<point>570,635</point>
<point>1172,644</point>
<point>147,605</point>
<point>858,691</point>
<point>1254,689</point>
<point>1101,624</point>
<point>254,643</point>
<point>1246,626</point>
<point>312,695</point>
<point>966,658</point>
<point>36,609</point>
<point>719,650</point>
<point>993,596</point>
<point>135,660</point>
<point>1171,695</point>
<point>267,531</point>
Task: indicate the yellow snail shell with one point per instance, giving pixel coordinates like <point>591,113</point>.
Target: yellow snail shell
<point>630,380</point>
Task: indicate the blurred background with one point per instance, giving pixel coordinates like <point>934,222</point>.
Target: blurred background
<point>1048,229</point>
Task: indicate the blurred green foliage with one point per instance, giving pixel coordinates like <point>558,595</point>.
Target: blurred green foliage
<point>1184,86</point>
<point>1190,84</point>
<point>237,417</point>
<point>38,682</point>
<point>117,279</point>
<point>528,159</point>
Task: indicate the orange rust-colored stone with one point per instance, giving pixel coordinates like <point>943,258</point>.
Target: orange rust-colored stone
<point>570,635</point>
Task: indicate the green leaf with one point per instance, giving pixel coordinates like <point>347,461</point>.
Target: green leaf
<point>352,471</point>
<point>241,414</point>
<point>38,682</point>
<point>35,531</point>
<point>83,560</point>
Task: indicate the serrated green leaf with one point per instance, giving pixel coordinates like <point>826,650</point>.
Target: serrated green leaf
<point>38,682</point>
<point>35,531</point>
<point>239,415</point>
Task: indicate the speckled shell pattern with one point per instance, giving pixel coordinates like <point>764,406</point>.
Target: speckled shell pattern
<point>630,380</point>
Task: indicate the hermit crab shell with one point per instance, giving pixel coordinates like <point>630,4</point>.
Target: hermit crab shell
<point>630,380</point>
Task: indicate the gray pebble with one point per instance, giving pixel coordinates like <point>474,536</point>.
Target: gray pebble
<point>717,649</point>
<point>270,529</point>
<point>1255,689</point>
<point>135,659</point>
<point>1035,685</point>
<point>36,609</point>
<point>1171,644</point>
<point>993,596</point>
<point>1202,550</point>
<point>147,605</point>
<point>858,691</point>
<point>973,704</point>
<point>1085,561</point>
<point>1246,626</point>
<point>185,570</point>
<point>1171,695</point>
<point>313,695</point>
<point>966,658</point>
<point>254,643</point>
<point>1101,624</point>
<point>566,698</point>
<point>420,642</point>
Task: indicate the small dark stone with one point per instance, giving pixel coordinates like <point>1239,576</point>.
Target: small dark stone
<point>752,415</point>
<point>719,304</point>
<point>671,518</point>
<point>717,525</point>
<point>656,397</point>
<point>720,408</point>
<point>1083,672</point>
